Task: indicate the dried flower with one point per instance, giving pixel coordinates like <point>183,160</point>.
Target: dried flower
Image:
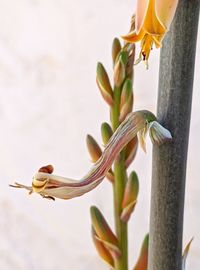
<point>52,186</point>
<point>158,133</point>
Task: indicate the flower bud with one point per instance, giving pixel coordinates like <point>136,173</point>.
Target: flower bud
<point>104,85</point>
<point>130,151</point>
<point>130,196</point>
<point>102,251</point>
<point>120,69</point>
<point>93,148</point>
<point>116,48</point>
<point>142,262</point>
<point>101,227</point>
<point>130,62</point>
<point>126,104</point>
<point>106,132</point>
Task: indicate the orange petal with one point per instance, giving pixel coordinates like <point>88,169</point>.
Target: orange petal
<point>152,24</point>
<point>165,10</point>
<point>141,10</point>
<point>133,37</point>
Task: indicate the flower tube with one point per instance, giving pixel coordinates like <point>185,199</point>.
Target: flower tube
<point>52,186</point>
<point>150,24</point>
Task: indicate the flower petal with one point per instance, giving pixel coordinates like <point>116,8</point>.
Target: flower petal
<point>158,133</point>
<point>141,10</point>
<point>165,10</point>
<point>142,137</point>
<point>133,36</point>
<point>152,24</point>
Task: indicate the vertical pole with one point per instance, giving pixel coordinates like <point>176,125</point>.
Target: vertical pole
<point>169,161</point>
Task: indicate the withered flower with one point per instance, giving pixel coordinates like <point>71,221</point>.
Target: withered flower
<point>52,186</point>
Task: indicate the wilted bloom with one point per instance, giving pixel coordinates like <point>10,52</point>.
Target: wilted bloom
<point>51,186</point>
<point>158,133</point>
<point>151,21</point>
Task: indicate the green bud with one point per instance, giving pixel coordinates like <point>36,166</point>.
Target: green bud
<point>126,103</point>
<point>113,249</point>
<point>106,132</point>
<point>130,62</point>
<point>116,48</point>
<point>93,148</point>
<point>120,69</point>
<point>102,250</point>
<point>104,85</point>
<point>101,227</point>
<point>124,57</point>
<point>142,262</point>
<point>130,196</point>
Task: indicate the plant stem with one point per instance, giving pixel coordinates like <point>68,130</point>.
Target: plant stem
<point>169,161</point>
<point>118,188</point>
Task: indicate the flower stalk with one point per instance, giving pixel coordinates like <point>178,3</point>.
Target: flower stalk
<point>119,186</point>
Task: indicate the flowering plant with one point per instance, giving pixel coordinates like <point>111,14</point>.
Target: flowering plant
<point>121,138</point>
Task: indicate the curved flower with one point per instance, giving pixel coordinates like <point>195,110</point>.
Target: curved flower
<point>152,21</point>
<point>52,186</point>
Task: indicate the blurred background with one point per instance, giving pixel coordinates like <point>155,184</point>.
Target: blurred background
<point>49,102</point>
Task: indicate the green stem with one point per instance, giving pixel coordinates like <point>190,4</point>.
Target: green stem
<point>118,188</point>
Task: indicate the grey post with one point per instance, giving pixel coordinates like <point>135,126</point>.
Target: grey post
<point>169,161</point>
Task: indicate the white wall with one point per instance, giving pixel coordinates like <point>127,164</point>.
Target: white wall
<point>49,101</point>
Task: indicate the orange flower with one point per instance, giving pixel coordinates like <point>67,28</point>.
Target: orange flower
<point>152,21</point>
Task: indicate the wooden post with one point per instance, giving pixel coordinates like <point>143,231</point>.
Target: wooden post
<point>169,161</point>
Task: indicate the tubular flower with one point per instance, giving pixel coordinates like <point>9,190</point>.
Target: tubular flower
<point>51,186</point>
<point>150,24</point>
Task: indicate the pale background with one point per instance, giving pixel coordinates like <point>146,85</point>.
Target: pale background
<point>49,102</point>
